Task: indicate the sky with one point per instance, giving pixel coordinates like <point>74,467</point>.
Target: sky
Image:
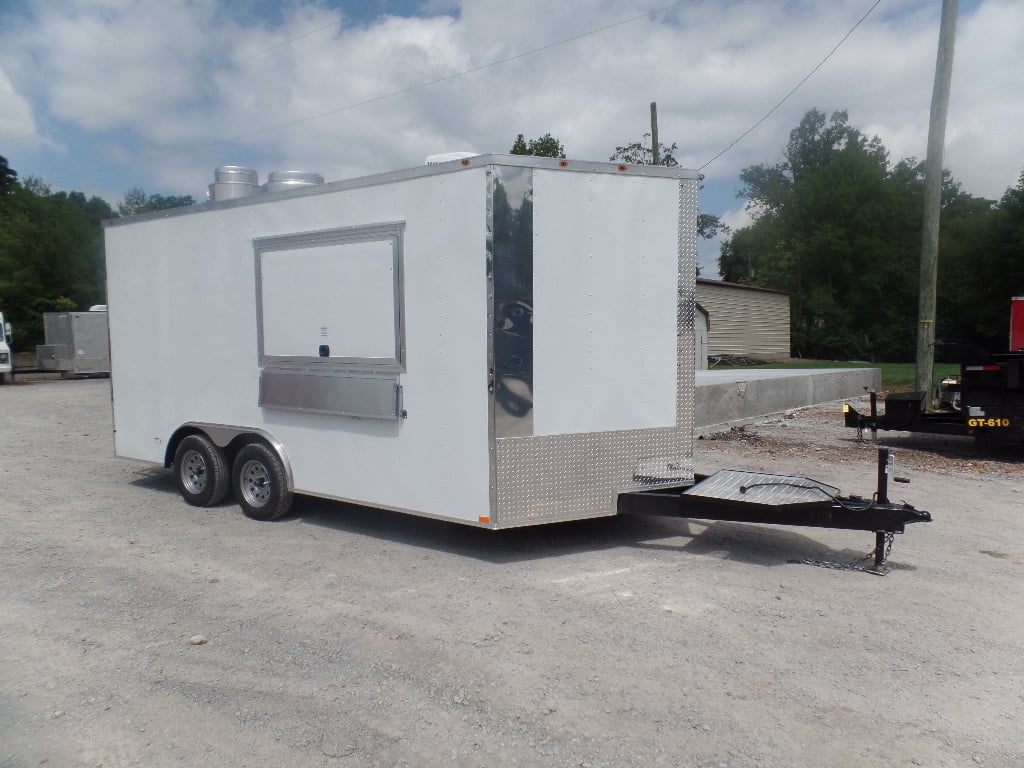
<point>103,96</point>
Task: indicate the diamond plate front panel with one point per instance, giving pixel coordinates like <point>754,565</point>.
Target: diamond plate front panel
<point>546,478</point>
<point>566,477</point>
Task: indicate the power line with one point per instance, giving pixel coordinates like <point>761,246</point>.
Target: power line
<point>794,89</point>
<point>392,94</point>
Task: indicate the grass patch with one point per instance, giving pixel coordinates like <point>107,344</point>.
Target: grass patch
<point>896,377</point>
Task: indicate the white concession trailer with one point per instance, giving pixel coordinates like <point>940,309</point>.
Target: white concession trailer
<point>496,340</point>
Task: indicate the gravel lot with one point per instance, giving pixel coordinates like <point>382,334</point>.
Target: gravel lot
<point>342,636</point>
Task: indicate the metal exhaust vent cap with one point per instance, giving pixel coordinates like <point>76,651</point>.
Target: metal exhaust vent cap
<point>231,190</point>
<point>236,173</point>
<point>279,181</point>
<point>232,182</point>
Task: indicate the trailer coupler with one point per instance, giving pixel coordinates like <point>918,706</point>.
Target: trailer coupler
<point>861,421</point>
<point>753,497</point>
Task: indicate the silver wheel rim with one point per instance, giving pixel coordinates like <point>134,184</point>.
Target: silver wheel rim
<point>193,472</point>
<point>255,483</point>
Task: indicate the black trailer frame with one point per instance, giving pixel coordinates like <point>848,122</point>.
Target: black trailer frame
<point>752,497</point>
<point>987,403</point>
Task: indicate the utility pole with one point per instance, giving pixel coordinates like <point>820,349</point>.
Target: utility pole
<point>655,158</point>
<point>933,201</point>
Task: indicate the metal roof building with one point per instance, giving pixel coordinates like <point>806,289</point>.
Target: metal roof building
<point>745,320</point>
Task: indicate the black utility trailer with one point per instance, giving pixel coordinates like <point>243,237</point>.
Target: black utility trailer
<point>986,401</point>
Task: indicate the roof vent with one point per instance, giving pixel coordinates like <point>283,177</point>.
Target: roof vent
<point>233,181</point>
<point>282,181</point>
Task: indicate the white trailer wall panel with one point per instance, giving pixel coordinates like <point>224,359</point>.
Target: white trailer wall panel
<point>184,287</point>
<point>604,333</point>
<point>539,372</point>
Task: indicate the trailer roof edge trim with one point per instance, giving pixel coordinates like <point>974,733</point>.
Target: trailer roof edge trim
<point>437,169</point>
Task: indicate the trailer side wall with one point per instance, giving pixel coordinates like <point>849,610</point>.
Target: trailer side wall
<point>183,313</point>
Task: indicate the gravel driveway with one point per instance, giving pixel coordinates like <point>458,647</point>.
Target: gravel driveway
<point>342,636</point>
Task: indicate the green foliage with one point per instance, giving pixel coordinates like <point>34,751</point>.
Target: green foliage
<point>8,177</point>
<point>546,146</point>
<point>641,153</point>
<point>709,226</point>
<point>981,267</point>
<point>36,186</point>
<point>137,201</point>
<point>839,229</point>
<point>51,252</point>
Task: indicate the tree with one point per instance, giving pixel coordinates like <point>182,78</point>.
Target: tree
<point>640,153</point>
<point>36,186</point>
<point>710,226</point>
<point>821,233</point>
<point>981,267</point>
<point>137,201</point>
<point>838,228</point>
<point>51,254</point>
<point>546,146</point>
<point>8,177</point>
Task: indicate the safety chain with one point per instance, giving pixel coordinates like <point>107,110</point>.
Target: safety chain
<point>856,565</point>
<point>834,566</point>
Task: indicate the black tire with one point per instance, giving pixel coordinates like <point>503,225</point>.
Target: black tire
<point>260,483</point>
<point>201,471</point>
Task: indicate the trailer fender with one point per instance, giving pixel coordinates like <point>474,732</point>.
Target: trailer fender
<point>232,439</point>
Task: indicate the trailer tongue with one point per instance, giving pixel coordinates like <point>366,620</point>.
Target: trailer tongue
<point>986,401</point>
<point>754,497</point>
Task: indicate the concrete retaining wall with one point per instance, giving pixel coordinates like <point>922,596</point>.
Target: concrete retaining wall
<point>731,397</point>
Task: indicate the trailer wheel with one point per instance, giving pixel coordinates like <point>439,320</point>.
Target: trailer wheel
<point>260,484</point>
<point>201,471</point>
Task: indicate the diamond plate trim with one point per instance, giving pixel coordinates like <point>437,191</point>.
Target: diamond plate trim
<point>685,407</point>
<point>560,477</point>
<point>761,488</point>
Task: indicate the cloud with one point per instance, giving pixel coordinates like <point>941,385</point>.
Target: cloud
<point>176,89</point>
<point>16,118</point>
